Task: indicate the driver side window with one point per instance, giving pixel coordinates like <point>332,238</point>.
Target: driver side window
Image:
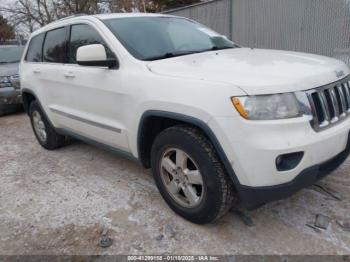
<point>81,35</point>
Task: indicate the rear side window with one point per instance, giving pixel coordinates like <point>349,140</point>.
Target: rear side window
<point>55,44</point>
<point>84,35</point>
<point>34,53</point>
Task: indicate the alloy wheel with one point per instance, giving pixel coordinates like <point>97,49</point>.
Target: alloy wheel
<point>39,126</point>
<point>181,178</point>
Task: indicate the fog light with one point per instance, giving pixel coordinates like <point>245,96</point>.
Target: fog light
<point>279,160</point>
<point>288,161</point>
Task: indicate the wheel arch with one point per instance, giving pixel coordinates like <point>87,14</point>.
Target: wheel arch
<point>28,96</point>
<point>147,132</point>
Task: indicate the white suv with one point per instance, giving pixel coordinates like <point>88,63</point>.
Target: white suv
<point>219,125</point>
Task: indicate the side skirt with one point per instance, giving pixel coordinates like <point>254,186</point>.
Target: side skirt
<point>108,148</point>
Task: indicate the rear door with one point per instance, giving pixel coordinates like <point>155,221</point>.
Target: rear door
<point>90,98</point>
<point>32,65</point>
<point>51,73</point>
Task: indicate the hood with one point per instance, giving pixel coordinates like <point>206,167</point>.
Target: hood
<point>9,69</point>
<point>256,71</point>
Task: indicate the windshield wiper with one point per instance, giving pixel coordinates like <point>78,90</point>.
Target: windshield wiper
<point>181,53</point>
<point>215,48</point>
<point>171,54</point>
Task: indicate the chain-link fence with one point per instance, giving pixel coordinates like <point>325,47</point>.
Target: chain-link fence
<point>314,26</point>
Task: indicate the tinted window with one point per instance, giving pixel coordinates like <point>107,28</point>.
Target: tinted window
<point>151,38</point>
<point>34,53</point>
<point>84,35</point>
<point>55,46</point>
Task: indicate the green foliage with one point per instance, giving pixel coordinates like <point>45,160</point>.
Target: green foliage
<point>6,31</point>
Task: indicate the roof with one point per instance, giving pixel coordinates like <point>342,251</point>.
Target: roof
<point>98,16</point>
<point>125,15</point>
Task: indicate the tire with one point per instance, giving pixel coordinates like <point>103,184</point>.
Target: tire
<point>212,195</point>
<point>10,108</point>
<point>52,140</point>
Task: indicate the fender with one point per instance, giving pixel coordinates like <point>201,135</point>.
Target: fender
<point>26,90</point>
<point>201,125</point>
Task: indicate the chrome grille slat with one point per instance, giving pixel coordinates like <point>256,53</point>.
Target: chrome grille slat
<point>330,104</point>
<point>325,109</point>
<point>347,92</point>
<point>347,95</point>
<point>342,100</point>
<point>334,104</point>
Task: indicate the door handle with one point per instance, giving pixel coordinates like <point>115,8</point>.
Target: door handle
<point>36,71</point>
<point>69,75</point>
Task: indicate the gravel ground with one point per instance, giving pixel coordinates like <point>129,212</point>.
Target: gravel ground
<point>59,203</point>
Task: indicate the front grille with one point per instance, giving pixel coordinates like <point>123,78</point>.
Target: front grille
<point>330,104</point>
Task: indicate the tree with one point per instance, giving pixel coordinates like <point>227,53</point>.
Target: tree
<point>161,5</point>
<point>28,15</point>
<point>152,6</point>
<point>31,14</point>
<point>6,31</point>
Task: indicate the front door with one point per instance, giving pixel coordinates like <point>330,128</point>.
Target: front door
<point>90,98</point>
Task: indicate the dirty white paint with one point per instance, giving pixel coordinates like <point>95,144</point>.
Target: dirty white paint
<point>60,201</point>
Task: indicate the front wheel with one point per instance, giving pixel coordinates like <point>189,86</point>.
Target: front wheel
<point>189,175</point>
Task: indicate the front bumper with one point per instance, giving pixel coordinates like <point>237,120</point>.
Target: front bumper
<point>251,148</point>
<point>252,197</point>
<point>10,96</point>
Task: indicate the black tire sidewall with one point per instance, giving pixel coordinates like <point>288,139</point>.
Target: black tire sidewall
<point>53,140</point>
<point>210,205</point>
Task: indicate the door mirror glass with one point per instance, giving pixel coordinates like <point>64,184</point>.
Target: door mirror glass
<point>94,55</point>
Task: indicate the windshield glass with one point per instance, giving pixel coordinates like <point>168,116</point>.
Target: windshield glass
<point>152,38</point>
<point>10,54</point>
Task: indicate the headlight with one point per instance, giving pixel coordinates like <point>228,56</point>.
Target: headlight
<point>269,107</point>
<point>9,81</point>
<point>14,79</point>
<point>4,81</point>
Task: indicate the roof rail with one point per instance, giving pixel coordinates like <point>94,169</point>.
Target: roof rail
<point>71,16</point>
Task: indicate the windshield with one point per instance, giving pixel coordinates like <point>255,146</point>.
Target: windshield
<point>10,54</point>
<point>152,38</point>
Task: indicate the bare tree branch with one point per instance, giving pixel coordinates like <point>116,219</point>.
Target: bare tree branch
<point>27,15</point>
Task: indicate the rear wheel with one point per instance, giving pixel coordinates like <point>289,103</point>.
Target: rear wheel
<point>43,130</point>
<point>189,175</point>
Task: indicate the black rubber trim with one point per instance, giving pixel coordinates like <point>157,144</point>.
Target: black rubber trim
<point>252,197</point>
<point>289,161</point>
<point>195,122</point>
<point>110,63</point>
<point>86,121</point>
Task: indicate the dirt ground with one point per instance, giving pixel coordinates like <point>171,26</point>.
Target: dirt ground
<point>60,202</point>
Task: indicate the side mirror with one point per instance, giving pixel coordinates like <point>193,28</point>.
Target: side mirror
<point>94,55</point>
